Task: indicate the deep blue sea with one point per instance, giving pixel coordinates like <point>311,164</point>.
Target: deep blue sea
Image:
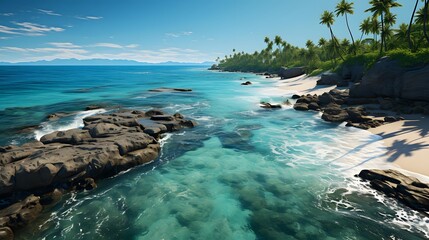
<point>243,173</point>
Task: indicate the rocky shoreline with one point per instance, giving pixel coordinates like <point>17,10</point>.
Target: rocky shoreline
<point>385,87</point>
<point>36,174</point>
<point>370,99</point>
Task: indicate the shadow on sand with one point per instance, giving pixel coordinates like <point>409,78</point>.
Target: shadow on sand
<point>412,136</point>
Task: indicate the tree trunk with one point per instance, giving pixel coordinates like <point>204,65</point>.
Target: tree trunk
<point>410,44</point>
<point>351,35</point>
<point>425,19</point>
<point>382,33</point>
<point>335,43</point>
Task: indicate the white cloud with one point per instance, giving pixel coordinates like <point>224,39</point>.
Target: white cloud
<point>7,14</point>
<point>28,29</point>
<point>37,28</point>
<point>64,45</point>
<point>107,45</point>
<point>8,30</point>
<point>132,46</point>
<point>49,12</point>
<point>89,17</point>
<point>44,50</point>
<point>114,45</point>
<point>4,38</point>
<point>180,34</point>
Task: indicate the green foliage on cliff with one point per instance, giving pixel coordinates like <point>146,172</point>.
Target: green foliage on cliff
<point>405,57</point>
<point>408,59</point>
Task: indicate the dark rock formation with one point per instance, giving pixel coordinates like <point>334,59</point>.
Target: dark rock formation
<point>56,116</point>
<point>329,79</point>
<point>21,213</point>
<point>388,79</point>
<point>301,106</point>
<point>391,119</point>
<point>6,233</point>
<point>330,104</point>
<point>408,190</point>
<point>357,114</point>
<point>247,83</point>
<point>415,84</point>
<point>286,73</point>
<point>171,90</point>
<point>334,113</point>
<point>352,73</point>
<point>269,105</point>
<point>383,79</point>
<point>108,143</point>
<point>92,107</point>
<point>295,96</point>
<point>314,106</point>
<point>73,159</point>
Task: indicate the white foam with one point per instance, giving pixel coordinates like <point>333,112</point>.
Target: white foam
<point>77,122</point>
<point>140,73</point>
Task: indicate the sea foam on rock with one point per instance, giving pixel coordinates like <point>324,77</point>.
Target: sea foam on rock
<point>406,189</point>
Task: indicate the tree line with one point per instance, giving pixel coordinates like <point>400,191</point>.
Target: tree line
<point>328,54</point>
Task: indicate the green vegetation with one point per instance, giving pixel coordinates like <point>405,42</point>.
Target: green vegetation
<point>408,43</point>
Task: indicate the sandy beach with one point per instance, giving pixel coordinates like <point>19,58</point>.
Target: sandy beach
<point>407,141</point>
<point>303,85</point>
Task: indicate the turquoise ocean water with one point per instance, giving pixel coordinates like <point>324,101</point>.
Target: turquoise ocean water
<point>243,173</point>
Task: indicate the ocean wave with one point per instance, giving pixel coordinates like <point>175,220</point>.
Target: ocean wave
<point>76,122</point>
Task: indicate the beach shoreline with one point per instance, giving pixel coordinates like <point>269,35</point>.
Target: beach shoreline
<point>407,141</point>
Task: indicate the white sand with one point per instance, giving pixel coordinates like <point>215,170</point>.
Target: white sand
<point>303,85</point>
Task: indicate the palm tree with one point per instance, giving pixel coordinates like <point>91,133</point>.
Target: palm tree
<point>410,44</point>
<point>365,27</point>
<point>327,19</point>
<point>381,8</point>
<point>422,17</point>
<point>375,28</point>
<point>389,20</point>
<point>343,8</point>
<point>322,42</point>
<point>278,41</point>
<point>309,44</point>
<point>401,34</point>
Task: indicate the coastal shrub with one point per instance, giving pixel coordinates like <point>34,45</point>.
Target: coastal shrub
<point>366,59</point>
<point>408,59</point>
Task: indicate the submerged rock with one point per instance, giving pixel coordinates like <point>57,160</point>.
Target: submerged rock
<point>269,105</point>
<point>406,189</point>
<point>171,90</point>
<point>247,83</point>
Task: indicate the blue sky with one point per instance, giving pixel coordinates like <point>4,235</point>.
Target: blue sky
<point>162,30</point>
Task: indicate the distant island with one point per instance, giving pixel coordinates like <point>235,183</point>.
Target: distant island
<point>97,62</point>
